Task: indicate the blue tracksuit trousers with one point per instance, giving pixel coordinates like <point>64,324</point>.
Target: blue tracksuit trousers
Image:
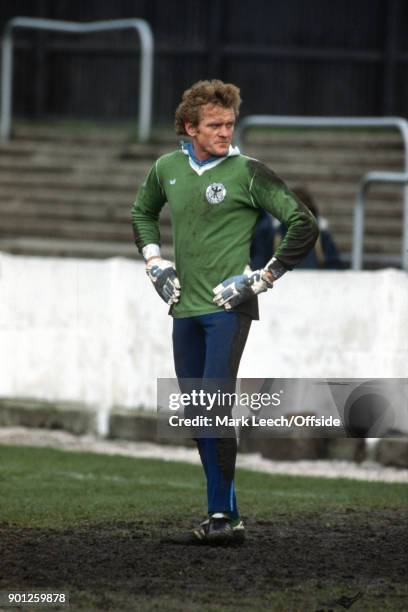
<point>210,347</point>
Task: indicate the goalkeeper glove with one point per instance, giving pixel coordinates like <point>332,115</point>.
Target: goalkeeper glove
<point>163,275</point>
<point>238,289</point>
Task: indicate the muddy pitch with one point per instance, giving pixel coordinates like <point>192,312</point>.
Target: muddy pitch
<point>124,565</point>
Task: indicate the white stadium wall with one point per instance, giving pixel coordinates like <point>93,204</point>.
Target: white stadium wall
<point>97,332</point>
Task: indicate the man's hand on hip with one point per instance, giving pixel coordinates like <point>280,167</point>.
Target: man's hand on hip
<point>163,275</point>
<point>238,289</point>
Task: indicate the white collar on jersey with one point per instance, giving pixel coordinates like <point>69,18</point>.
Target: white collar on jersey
<point>207,164</point>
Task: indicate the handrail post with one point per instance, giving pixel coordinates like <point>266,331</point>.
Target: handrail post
<point>146,83</point>
<point>6,83</point>
<point>359,209</point>
<point>358,230</point>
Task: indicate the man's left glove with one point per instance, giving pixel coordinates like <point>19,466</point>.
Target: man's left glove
<point>163,275</point>
<point>238,289</point>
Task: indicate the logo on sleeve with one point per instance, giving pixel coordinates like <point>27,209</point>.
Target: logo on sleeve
<point>215,193</point>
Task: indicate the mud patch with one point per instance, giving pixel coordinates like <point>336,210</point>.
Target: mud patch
<point>126,566</point>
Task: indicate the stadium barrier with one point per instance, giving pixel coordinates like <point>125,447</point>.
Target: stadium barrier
<point>96,332</point>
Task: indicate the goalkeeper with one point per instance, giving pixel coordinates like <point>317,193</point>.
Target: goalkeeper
<point>215,195</point>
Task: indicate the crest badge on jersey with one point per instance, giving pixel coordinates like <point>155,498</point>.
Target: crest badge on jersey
<point>215,193</point>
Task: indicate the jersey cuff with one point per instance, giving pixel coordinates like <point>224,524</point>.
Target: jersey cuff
<point>151,250</point>
<point>275,267</point>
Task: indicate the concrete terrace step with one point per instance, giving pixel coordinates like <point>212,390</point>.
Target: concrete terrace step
<point>89,229</point>
<point>72,152</point>
<point>163,133</point>
<point>366,161</point>
<point>76,212</point>
<point>56,247</point>
<point>294,173</point>
<point>68,156</point>
<point>102,204</point>
<point>83,211</point>
<point>60,204</point>
<point>38,194</point>
<point>83,131</point>
<point>67,151</point>
<point>131,176</point>
<point>77,130</point>
<point>60,150</point>
<point>104,167</point>
<point>334,137</point>
<point>380,210</point>
<point>68,190</point>
<point>121,214</point>
<point>373,245</point>
<point>71,182</point>
<point>71,248</point>
<point>343,193</point>
<point>73,132</point>
<point>74,229</point>
<point>373,226</point>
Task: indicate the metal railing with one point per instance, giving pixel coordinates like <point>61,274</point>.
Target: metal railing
<point>387,177</point>
<point>359,213</point>
<point>146,64</point>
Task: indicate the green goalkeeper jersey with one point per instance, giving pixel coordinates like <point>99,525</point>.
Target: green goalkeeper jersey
<point>214,208</point>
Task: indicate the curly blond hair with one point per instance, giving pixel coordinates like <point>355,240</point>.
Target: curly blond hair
<point>205,92</point>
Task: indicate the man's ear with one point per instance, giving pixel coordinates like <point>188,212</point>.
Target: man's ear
<point>191,130</point>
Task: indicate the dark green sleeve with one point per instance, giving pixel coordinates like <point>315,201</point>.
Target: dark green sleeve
<point>146,209</point>
<point>269,192</point>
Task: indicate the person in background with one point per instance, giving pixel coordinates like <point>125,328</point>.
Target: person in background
<point>262,242</point>
<point>269,233</point>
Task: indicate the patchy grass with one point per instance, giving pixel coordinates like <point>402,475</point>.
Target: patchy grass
<point>92,525</point>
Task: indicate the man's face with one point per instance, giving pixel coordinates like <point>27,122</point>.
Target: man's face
<point>213,134</point>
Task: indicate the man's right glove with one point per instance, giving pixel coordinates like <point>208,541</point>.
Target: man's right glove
<point>163,275</point>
